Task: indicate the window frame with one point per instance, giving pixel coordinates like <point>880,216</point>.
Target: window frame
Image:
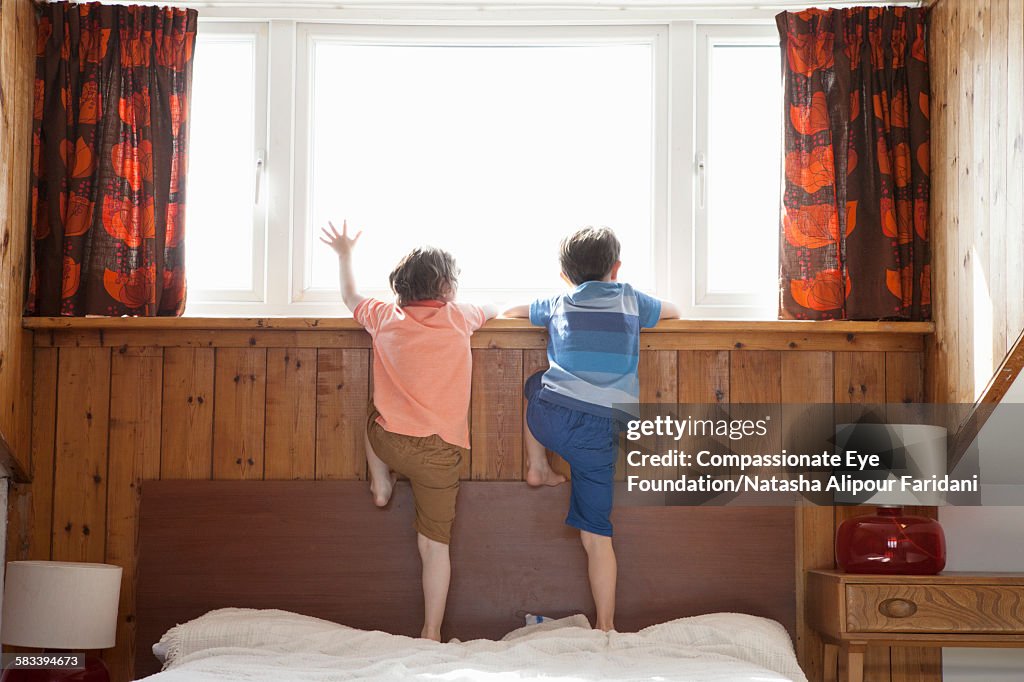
<point>703,301</point>
<point>218,299</point>
<point>677,238</point>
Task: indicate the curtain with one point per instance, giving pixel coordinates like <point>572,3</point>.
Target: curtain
<point>108,160</point>
<point>854,234</point>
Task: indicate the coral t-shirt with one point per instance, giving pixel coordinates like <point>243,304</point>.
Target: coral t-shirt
<point>422,365</point>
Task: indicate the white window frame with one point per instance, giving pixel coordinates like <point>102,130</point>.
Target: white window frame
<point>679,247</point>
<point>309,33</point>
<point>704,302</point>
<point>219,300</point>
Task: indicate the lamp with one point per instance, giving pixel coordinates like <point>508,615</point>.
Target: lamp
<point>60,606</point>
<point>889,541</point>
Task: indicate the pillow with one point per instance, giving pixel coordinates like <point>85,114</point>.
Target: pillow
<point>236,627</point>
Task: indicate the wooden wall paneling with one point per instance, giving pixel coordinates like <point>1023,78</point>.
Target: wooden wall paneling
<point>30,507</point>
<point>860,378</point>
<point>940,218</point>
<point>497,415</point>
<point>536,361</point>
<point>186,444</point>
<point>186,337</point>
<point>134,446</point>
<point>698,335</point>
<point>702,384</point>
<point>23,435</point>
<point>983,307</point>
<point>755,376</point>
<point>965,211</point>
<point>997,102</point>
<point>796,339</point>
<point>904,378</point>
<point>904,383</point>
<point>240,382</point>
<point>1014,254</point>
<point>703,376</point>
<point>806,377</point>
<point>342,398</point>
<point>659,384</point>
<point>80,467</point>
<point>977,192</point>
<point>290,441</point>
<point>466,466</point>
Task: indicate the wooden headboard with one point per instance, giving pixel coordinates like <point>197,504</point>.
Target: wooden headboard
<point>321,548</point>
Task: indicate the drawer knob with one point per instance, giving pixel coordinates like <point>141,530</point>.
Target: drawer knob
<point>897,608</point>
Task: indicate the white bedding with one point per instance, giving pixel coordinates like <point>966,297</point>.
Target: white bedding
<point>263,645</point>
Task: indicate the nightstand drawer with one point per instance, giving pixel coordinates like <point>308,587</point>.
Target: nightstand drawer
<point>935,608</point>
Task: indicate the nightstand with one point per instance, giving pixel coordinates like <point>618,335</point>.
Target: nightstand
<point>852,612</point>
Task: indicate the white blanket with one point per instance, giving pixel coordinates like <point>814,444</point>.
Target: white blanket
<point>264,645</point>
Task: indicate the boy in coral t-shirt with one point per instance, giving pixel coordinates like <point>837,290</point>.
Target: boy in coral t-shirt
<point>418,422</point>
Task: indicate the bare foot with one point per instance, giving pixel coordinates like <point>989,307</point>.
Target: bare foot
<point>538,476</point>
<point>431,634</point>
<point>382,492</point>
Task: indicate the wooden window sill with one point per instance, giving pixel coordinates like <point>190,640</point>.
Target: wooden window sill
<point>497,325</point>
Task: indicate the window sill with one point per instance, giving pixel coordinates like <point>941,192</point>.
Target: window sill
<point>497,325</point>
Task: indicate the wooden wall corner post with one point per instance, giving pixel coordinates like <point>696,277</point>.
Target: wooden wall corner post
<point>17,78</point>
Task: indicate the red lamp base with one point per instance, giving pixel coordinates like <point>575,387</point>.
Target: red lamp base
<point>890,542</point>
<point>95,670</point>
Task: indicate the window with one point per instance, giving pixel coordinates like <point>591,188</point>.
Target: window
<point>486,143</point>
<point>491,142</point>
<point>739,171</point>
<point>226,221</point>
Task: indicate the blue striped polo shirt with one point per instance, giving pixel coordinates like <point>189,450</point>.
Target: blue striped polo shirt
<point>594,347</point>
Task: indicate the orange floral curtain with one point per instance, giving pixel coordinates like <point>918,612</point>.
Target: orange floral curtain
<point>108,166</point>
<point>855,234</point>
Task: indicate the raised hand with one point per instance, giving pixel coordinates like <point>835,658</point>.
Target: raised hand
<point>342,244</point>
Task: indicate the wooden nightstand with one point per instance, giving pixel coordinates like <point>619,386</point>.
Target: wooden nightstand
<point>852,612</point>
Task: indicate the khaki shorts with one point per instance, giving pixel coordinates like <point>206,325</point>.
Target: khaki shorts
<point>432,467</point>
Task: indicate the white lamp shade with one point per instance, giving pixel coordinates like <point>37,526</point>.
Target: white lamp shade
<point>60,605</point>
<point>923,450</point>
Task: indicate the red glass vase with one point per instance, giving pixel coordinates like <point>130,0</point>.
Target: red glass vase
<point>890,542</point>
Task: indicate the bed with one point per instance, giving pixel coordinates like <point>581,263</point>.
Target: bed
<point>306,580</point>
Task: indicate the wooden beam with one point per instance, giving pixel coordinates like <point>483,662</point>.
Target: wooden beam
<point>968,430</point>
<point>8,460</point>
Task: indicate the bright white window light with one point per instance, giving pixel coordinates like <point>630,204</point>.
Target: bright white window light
<point>492,152</point>
<point>221,177</point>
<point>744,169</point>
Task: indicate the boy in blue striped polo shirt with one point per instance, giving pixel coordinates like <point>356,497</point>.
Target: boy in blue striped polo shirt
<point>591,387</point>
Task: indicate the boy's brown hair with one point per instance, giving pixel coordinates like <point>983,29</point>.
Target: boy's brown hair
<point>588,254</point>
<point>424,273</point>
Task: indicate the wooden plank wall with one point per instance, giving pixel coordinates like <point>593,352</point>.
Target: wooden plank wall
<point>977,157</point>
<point>17,73</point>
<point>109,413</point>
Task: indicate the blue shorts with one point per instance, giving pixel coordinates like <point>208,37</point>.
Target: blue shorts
<point>590,444</point>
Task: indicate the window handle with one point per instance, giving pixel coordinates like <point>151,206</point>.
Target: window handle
<point>702,174</point>
<point>259,176</point>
